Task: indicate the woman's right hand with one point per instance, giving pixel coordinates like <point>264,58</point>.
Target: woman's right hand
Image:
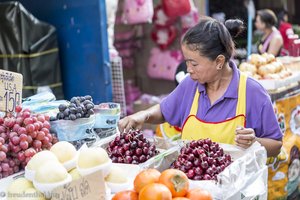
<point>134,121</point>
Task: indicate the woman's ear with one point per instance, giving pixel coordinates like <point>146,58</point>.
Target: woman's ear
<point>220,61</point>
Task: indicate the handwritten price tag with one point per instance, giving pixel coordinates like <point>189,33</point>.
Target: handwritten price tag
<point>11,85</point>
<point>88,187</point>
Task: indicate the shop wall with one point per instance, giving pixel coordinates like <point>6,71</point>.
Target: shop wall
<point>141,56</point>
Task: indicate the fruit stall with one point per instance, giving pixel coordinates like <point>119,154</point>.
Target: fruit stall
<point>71,149</point>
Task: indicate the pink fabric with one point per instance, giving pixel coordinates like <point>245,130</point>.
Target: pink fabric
<point>163,64</point>
<point>137,11</point>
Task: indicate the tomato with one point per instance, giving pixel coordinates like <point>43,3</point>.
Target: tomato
<point>145,177</point>
<point>199,194</point>
<point>176,181</point>
<point>155,191</point>
<point>126,195</point>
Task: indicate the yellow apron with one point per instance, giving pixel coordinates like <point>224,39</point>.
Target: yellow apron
<point>221,132</point>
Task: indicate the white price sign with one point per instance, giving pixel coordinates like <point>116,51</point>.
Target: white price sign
<point>11,85</point>
<point>91,186</point>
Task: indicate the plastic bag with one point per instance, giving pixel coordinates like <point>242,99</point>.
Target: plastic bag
<point>107,115</point>
<point>39,98</point>
<point>68,130</point>
<point>245,178</point>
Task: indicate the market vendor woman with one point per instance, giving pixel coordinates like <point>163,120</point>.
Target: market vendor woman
<point>216,100</point>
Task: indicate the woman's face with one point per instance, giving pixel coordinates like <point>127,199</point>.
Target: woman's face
<point>200,68</point>
<point>260,25</point>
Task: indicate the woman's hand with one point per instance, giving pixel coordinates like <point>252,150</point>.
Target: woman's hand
<point>134,121</point>
<point>245,137</point>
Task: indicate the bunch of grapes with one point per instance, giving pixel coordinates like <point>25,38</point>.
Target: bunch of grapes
<point>79,107</point>
<point>131,148</point>
<point>21,136</point>
<point>202,160</point>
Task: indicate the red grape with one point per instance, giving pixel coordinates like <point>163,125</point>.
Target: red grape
<point>46,124</point>
<point>2,140</point>
<point>2,156</point>
<point>16,127</point>
<point>28,121</point>
<point>22,130</point>
<point>19,120</point>
<point>37,126</point>
<point>45,130</point>
<point>47,117</point>
<point>18,108</point>
<point>40,135</point>
<point>23,137</point>
<point>26,114</point>
<point>41,118</point>
<point>29,139</point>
<point>24,145</point>
<point>21,156</point>
<point>2,129</point>
<point>5,167</point>
<point>30,152</point>
<point>37,144</point>
<point>30,128</point>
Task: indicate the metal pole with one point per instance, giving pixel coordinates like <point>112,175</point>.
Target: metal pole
<point>249,36</point>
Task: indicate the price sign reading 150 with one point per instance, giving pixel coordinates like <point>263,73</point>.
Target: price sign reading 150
<point>10,90</point>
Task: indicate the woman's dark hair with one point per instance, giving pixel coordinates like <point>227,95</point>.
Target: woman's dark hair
<point>294,154</point>
<point>212,38</point>
<point>268,17</point>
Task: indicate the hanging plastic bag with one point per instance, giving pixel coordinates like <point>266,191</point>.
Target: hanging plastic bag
<point>137,11</point>
<point>176,8</point>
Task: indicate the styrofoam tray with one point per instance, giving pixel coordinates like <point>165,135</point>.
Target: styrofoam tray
<point>276,84</point>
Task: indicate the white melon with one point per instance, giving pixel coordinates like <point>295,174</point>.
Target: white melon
<point>51,172</point>
<point>17,188</point>
<point>92,157</point>
<point>40,158</point>
<point>64,151</point>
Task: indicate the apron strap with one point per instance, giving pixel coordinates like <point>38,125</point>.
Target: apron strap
<point>194,108</point>
<point>241,104</point>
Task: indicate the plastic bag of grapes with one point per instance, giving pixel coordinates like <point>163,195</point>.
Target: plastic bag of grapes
<point>73,130</point>
<point>245,176</point>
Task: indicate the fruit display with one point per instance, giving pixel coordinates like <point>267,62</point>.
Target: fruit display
<point>79,107</point>
<point>202,160</point>
<point>131,148</point>
<point>171,184</point>
<point>264,66</point>
<point>22,135</point>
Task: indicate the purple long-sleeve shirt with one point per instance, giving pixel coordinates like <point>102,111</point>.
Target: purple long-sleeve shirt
<point>259,110</point>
